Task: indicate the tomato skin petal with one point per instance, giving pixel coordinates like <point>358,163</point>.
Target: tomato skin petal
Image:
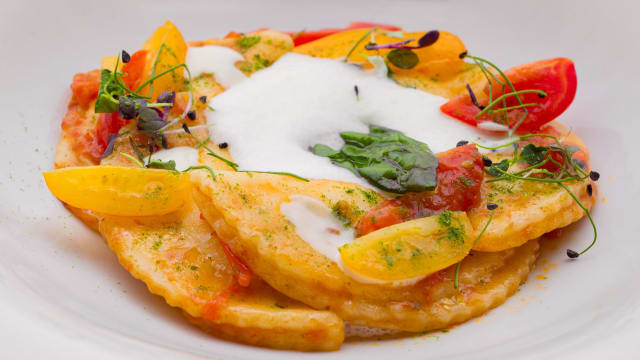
<point>460,175</point>
<point>557,77</point>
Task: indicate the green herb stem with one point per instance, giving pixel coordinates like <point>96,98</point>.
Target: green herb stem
<point>503,97</point>
<point>455,281</point>
<point>213,175</point>
<point>588,213</point>
<point>133,159</point>
<point>353,48</point>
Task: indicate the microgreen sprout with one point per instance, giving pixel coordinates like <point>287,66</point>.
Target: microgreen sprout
<point>230,163</point>
<point>353,48</point>
<point>488,68</point>
<point>490,207</point>
<point>539,159</point>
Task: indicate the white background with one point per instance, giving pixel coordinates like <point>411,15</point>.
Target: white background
<point>63,294</point>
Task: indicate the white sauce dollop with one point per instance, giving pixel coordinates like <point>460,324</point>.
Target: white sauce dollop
<point>313,221</point>
<point>271,119</point>
<point>184,156</point>
<point>217,60</point>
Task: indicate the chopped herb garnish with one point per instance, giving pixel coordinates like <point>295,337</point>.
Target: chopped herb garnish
<point>246,42</point>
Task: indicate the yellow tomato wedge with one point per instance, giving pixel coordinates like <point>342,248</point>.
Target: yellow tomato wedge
<point>410,249</point>
<point>125,191</point>
<point>441,60</point>
<point>109,62</point>
<point>168,46</point>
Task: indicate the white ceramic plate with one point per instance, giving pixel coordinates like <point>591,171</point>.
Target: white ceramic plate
<point>63,294</point>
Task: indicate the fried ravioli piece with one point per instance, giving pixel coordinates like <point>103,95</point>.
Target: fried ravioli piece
<point>527,209</point>
<point>245,211</point>
<point>178,258</point>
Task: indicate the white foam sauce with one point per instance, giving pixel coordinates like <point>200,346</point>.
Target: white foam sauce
<point>271,120</point>
<point>316,225</point>
<point>217,60</point>
<point>184,156</point>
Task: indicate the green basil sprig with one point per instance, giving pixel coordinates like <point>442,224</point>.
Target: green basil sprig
<point>386,158</point>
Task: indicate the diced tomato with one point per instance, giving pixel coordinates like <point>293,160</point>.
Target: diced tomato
<point>84,87</point>
<point>243,273</point>
<point>308,36</point>
<point>135,69</point>
<point>556,77</point>
<point>460,175</point>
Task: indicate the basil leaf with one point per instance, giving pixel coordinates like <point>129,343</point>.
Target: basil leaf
<point>533,154</point>
<point>106,102</point>
<point>494,169</point>
<point>386,158</point>
<point>162,165</point>
<point>403,58</point>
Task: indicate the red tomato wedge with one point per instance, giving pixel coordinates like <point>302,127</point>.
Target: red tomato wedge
<point>460,175</point>
<point>556,77</point>
<point>107,124</point>
<point>135,69</point>
<point>304,37</point>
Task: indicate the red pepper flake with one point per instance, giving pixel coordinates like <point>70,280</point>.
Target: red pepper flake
<point>333,231</point>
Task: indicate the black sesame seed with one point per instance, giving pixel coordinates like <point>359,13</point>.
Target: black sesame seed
<point>191,115</point>
<point>150,146</point>
<point>125,57</point>
<point>463,54</point>
<point>572,254</point>
<point>165,144</point>
<point>542,96</point>
<point>486,161</point>
<point>223,145</point>
<point>594,175</point>
<point>203,99</point>
<point>589,190</point>
<point>492,206</point>
<point>355,88</point>
<point>186,128</point>
<point>462,143</point>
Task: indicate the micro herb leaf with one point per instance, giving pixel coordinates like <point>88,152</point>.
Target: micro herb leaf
<point>162,165</point>
<point>110,144</point>
<point>403,58</point>
<point>533,154</point>
<point>428,39</point>
<point>246,42</point>
<point>386,158</point>
<point>495,168</point>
